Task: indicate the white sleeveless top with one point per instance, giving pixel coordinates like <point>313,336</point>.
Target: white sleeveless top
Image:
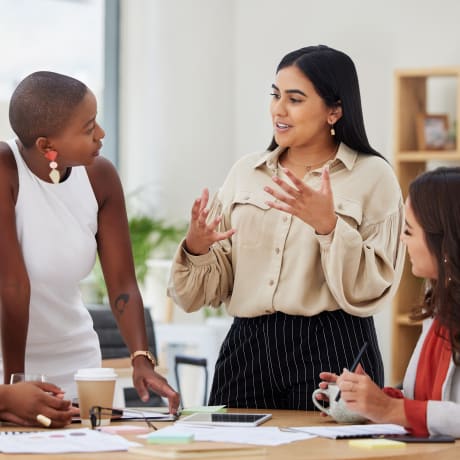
<point>56,227</point>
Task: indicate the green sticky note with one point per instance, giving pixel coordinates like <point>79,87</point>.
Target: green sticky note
<point>172,438</point>
<point>203,409</point>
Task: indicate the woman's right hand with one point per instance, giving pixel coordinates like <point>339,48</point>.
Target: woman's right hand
<point>22,402</point>
<point>201,235</point>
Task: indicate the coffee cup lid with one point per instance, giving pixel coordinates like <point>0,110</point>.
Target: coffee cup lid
<point>96,373</point>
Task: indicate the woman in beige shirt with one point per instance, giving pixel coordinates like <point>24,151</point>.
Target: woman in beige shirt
<point>301,243</point>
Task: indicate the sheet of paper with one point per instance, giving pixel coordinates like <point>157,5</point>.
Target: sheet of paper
<point>259,435</point>
<point>63,441</point>
<point>351,431</point>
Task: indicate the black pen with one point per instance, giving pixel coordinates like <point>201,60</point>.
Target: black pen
<point>354,365</point>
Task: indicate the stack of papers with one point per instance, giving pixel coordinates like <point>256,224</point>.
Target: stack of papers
<point>262,436</point>
<point>63,441</point>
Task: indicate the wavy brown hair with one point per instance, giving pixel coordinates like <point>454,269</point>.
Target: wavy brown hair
<point>435,200</point>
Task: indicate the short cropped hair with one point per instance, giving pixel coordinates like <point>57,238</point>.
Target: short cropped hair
<point>42,104</point>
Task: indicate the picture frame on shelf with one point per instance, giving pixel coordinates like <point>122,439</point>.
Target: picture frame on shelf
<point>432,131</point>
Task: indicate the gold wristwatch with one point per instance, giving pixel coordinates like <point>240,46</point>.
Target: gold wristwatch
<point>147,353</point>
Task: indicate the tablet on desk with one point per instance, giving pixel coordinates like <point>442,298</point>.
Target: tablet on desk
<point>225,419</point>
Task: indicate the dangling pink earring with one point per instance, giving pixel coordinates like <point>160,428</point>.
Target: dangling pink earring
<point>332,129</point>
<point>51,155</point>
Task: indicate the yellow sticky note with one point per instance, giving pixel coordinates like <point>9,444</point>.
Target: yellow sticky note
<point>375,443</point>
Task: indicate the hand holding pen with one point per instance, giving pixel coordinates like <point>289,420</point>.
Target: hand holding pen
<point>354,365</point>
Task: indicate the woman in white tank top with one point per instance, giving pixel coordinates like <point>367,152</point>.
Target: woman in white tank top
<point>61,204</point>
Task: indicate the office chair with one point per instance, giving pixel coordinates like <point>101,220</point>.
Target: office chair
<point>113,346</point>
<point>189,360</point>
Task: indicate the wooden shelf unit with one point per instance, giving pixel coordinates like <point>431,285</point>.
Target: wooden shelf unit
<point>411,99</point>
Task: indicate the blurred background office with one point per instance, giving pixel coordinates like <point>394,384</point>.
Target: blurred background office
<point>183,85</point>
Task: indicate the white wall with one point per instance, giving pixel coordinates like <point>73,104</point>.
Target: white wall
<point>196,77</point>
<point>177,110</point>
<point>379,36</point>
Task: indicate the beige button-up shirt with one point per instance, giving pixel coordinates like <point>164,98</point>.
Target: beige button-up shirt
<point>276,262</point>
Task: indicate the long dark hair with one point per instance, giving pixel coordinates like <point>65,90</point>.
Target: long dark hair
<point>434,198</point>
<point>334,77</point>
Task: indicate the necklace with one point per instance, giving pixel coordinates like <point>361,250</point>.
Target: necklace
<point>312,166</point>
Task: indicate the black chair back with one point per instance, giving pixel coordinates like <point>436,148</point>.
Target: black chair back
<point>192,361</point>
<point>110,339</point>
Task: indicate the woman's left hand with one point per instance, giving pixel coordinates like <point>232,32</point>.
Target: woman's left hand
<point>145,377</point>
<point>314,207</point>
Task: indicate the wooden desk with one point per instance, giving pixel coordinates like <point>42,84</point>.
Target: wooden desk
<point>316,448</point>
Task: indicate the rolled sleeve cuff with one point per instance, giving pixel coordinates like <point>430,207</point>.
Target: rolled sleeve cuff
<point>416,416</point>
<point>393,392</point>
<point>201,260</point>
<point>326,240</point>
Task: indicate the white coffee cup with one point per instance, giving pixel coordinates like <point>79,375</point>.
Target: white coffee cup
<point>336,409</point>
<point>96,387</point>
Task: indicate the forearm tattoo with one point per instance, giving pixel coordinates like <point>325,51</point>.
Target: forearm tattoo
<point>121,302</point>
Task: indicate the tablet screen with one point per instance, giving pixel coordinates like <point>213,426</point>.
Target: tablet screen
<point>226,419</point>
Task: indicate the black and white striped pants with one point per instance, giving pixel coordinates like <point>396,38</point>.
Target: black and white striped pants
<point>274,361</point>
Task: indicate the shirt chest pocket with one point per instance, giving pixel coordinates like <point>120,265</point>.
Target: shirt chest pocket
<point>350,211</point>
<point>249,218</point>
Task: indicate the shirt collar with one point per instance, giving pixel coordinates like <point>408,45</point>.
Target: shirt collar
<point>344,154</point>
<point>347,156</point>
<point>270,158</point>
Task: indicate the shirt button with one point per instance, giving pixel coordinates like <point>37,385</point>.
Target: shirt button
<point>285,218</point>
<point>277,250</point>
<point>246,198</point>
<point>271,282</point>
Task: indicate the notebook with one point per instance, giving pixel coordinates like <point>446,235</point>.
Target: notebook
<point>353,431</point>
<point>200,450</point>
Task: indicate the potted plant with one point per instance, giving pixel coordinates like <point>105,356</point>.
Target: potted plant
<point>150,237</point>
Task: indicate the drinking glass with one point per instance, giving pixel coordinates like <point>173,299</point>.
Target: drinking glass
<point>26,377</point>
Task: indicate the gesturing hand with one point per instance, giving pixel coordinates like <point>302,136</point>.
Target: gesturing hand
<point>201,235</point>
<point>314,207</point>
